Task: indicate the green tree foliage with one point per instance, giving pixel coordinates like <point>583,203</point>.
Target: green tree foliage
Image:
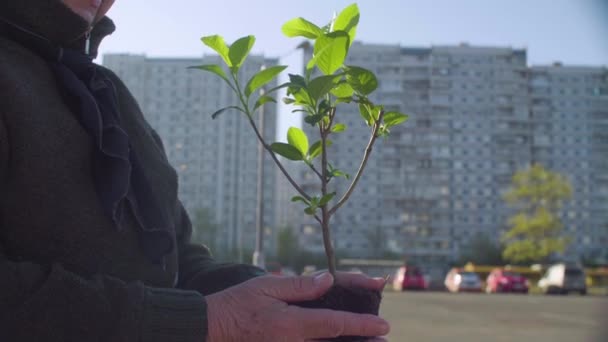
<point>482,250</point>
<point>536,231</point>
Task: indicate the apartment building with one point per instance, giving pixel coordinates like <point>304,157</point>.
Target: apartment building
<point>570,135</point>
<point>216,160</point>
<point>476,116</point>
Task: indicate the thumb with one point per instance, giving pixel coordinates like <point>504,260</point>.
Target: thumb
<point>294,289</point>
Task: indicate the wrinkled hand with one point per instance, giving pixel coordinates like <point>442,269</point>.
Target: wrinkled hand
<point>352,279</point>
<point>256,311</point>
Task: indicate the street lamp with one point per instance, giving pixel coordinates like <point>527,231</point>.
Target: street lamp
<point>258,254</point>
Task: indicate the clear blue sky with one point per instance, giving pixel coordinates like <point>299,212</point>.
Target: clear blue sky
<point>572,31</point>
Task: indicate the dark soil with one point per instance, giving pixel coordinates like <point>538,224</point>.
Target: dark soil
<point>355,300</point>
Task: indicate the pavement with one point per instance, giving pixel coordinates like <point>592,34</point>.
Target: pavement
<point>439,316</point>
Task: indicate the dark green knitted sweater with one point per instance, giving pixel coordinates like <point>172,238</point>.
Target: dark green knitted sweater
<point>66,274</point>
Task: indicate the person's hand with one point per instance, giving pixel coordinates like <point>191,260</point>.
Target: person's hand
<point>360,280</point>
<point>256,311</point>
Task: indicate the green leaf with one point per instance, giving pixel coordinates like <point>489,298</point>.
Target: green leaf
<point>361,80</point>
<point>330,51</point>
<point>343,100</point>
<point>288,100</point>
<point>394,118</point>
<point>321,85</point>
<point>262,100</point>
<point>364,110</point>
<point>311,64</point>
<point>300,199</point>
<point>302,98</point>
<point>286,151</point>
<point>324,107</point>
<point>375,112</point>
<point>313,119</point>
<point>218,112</point>
<point>310,211</point>
<point>284,85</point>
<point>338,128</point>
<point>239,50</point>
<point>261,78</point>
<point>298,139</point>
<point>316,148</point>
<point>343,90</point>
<point>325,199</point>
<point>300,27</point>
<point>347,21</point>
<point>213,68</point>
<point>338,173</point>
<point>217,44</point>
<point>297,88</point>
<point>297,81</point>
<point>383,131</point>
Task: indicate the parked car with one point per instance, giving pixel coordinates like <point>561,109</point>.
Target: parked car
<point>409,278</point>
<point>501,280</point>
<point>562,279</point>
<point>458,280</point>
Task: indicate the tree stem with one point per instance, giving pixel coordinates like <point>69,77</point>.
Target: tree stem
<point>368,151</point>
<point>325,217</point>
<point>276,160</point>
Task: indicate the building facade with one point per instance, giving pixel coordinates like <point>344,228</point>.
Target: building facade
<point>216,160</point>
<point>570,124</point>
<point>477,115</point>
<point>438,180</point>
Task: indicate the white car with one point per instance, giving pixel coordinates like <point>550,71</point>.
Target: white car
<point>458,280</point>
<point>562,279</point>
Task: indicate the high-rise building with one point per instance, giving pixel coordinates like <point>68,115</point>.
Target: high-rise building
<point>477,114</point>
<point>570,121</point>
<point>216,160</point>
<point>438,180</point>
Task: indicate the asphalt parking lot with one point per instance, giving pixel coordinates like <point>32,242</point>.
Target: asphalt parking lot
<point>437,316</point>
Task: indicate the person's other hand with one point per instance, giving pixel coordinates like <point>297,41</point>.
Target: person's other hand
<point>256,311</point>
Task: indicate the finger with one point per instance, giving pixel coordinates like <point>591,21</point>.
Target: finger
<point>293,289</point>
<point>324,323</point>
<point>348,279</point>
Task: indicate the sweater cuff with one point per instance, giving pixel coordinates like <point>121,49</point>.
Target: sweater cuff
<point>173,315</point>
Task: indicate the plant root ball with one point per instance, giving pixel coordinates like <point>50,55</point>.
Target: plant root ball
<point>340,298</point>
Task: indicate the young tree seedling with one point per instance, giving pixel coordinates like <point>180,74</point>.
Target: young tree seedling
<point>326,84</point>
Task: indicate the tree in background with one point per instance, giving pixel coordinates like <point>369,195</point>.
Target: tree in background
<point>204,229</point>
<point>482,250</point>
<point>536,231</point>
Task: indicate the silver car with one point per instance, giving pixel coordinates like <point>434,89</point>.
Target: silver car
<point>563,279</point>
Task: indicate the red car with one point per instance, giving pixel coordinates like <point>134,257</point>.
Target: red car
<point>500,280</point>
<point>409,278</point>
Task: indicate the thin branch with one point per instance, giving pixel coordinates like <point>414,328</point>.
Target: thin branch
<point>319,220</point>
<point>314,169</point>
<point>368,151</point>
<point>240,94</point>
<point>332,115</point>
<point>276,160</point>
<point>327,243</point>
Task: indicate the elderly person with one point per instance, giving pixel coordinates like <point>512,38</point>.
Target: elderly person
<point>94,244</point>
